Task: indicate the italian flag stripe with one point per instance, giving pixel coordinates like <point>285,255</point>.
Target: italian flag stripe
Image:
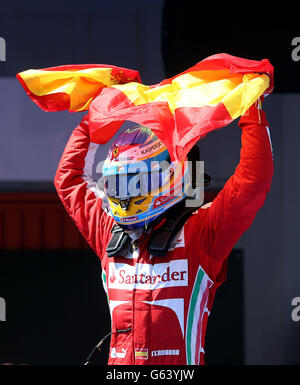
<point>105,283</point>
<point>195,313</point>
<point>200,324</point>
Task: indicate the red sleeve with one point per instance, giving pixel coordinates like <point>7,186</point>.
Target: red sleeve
<point>79,194</point>
<point>235,207</point>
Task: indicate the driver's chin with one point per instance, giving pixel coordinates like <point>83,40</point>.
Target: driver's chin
<point>128,231</point>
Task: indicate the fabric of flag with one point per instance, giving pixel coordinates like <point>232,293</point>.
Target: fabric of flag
<point>179,110</point>
<point>72,87</point>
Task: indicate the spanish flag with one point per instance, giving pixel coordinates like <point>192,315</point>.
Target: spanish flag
<point>72,87</point>
<point>179,110</point>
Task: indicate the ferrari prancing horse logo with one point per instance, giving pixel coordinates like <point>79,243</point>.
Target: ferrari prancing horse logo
<point>115,152</point>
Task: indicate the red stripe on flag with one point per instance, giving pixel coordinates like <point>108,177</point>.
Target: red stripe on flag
<point>178,131</point>
<point>54,102</point>
<point>126,75</point>
<point>194,123</point>
<point>112,107</point>
<point>234,64</point>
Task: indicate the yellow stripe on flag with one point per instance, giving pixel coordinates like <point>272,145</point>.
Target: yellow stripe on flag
<point>245,94</point>
<point>80,85</point>
<point>202,88</point>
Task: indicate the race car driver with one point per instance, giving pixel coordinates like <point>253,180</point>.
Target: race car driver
<point>160,294</point>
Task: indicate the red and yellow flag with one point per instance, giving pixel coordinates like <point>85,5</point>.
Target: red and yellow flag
<point>72,87</point>
<point>180,110</point>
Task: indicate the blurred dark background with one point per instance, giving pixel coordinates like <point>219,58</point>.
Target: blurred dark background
<point>56,310</point>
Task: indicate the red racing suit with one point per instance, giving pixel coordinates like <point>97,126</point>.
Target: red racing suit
<point>164,302</point>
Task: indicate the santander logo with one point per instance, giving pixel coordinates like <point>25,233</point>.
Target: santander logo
<point>162,199</point>
<point>144,276</point>
<point>112,278</point>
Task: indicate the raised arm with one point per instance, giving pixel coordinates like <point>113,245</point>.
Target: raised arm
<point>235,207</point>
<point>79,194</point>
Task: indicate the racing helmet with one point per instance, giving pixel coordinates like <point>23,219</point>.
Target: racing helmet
<point>140,181</point>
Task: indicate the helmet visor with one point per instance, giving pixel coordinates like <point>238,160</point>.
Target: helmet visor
<point>133,185</point>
